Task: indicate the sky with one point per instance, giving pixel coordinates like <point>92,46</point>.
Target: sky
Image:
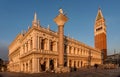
<point>17,15</point>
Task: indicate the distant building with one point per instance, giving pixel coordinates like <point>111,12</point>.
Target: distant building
<point>36,50</point>
<point>114,59</point>
<point>100,34</point>
<point>3,65</point>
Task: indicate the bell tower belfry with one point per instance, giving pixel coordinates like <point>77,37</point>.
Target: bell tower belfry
<point>100,35</point>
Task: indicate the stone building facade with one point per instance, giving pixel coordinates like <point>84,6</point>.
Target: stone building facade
<point>113,59</point>
<point>36,50</point>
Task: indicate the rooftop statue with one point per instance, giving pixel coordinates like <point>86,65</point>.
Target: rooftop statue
<point>61,11</point>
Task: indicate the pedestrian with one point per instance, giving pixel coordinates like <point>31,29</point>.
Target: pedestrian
<point>96,66</point>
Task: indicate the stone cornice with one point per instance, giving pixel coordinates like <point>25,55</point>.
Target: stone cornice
<point>19,36</point>
<point>14,52</point>
<point>41,29</point>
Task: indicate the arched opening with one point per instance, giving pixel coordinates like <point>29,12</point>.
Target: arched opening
<point>43,66</point>
<point>75,68</point>
<point>30,65</point>
<point>70,63</point>
<point>26,67</point>
<point>65,63</point>
<point>23,67</point>
<point>74,64</point>
<point>65,48</point>
<point>78,64</point>
<point>51,64</point>
<point>70,50</point>
<point>42,44</point>
<point>51,46</point>
<point>81,63</point>
<point>31,44</point>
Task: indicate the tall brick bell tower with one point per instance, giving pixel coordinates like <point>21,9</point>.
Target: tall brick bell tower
<point>100,35</point>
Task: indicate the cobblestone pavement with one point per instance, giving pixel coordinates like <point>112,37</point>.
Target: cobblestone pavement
<point>79,73</point>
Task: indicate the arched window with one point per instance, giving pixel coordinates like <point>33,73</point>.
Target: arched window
<point>23,48</point>
<point>31,44</point>
<point>23,67</point>
<point>65,48</point>
<point>81,52</point>
<point>42,44</point>
<point>51,46</point>
<point>70,63</point>
<point>74,52</point>
<point>70,49</point>
<point>26,66</point>
<point>27,46</point>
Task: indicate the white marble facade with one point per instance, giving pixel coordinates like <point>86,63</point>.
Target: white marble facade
<point>36,50</point>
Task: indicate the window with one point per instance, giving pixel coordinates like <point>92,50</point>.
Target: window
<point>31,44</point>
<point>52,46</point>
<point>70,49</point>
<point>42,44</point>
<point>65,48</point>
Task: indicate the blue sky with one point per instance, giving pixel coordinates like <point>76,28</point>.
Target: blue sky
<point>17,15</point>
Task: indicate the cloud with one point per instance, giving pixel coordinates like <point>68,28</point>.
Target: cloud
<point>4,50</point>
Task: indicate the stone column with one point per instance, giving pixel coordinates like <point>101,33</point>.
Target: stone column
<point>76,52</point>
<point>68,63</point>
<point>24,66</point>
<point>67,49</point>
<point>35,43</point>
<point>21,64</point>
<point>25,47</point>
<point>21,52</point>
<point>48,44</point>
<point>61,46</point>
<point>28,66</point>
<point>56,47</point>
<point>76,64</point>
<point>72,65</point>
<point>39,42</point>
<point>60,20</point>
<point>31,43</point>
<point>38,64</point>
<point>48,64</point>
<point>34,65</point>
<point>72,50</point>
<point>56,63</point>
<point>28,45</point>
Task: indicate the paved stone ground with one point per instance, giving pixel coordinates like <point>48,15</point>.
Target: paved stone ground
<point>79,73</point>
